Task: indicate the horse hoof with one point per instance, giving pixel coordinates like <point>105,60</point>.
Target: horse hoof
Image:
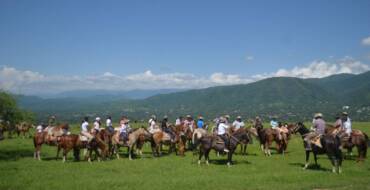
<point>198,162</point>
<point>207,163</point>
<point>228,164</point>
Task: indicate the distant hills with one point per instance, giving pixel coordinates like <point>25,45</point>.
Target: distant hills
<point>291,99</point>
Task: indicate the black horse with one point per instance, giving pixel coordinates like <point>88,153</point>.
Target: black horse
<point>213,142</point>
<point>330,146</point>
<point>1,134</point>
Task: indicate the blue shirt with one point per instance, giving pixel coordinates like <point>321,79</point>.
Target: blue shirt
<point>274,124</point>
<point>200,123</point>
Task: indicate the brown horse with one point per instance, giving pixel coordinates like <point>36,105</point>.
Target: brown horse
<point>133,138</point>
<point>162,138</point>
<point>209,142</point>
<point>358,139</point>
<point>49,136</point>
<point>73,141</point>
<point>24,128</point>
<point>269,135</point>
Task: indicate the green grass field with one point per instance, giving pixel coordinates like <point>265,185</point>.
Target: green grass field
<point>18,170</point>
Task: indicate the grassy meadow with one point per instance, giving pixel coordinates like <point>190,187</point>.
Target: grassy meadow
<point>18,170</point>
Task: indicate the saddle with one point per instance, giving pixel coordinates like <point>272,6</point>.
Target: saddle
<point>82,138</point>
<point>317,141</point>
<point>218,140</point>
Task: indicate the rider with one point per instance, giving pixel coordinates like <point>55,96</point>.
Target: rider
<point>227,121</point>
<point>222,133</point>
<point>238,123</point>
<point>275,126</point>
<point>153,127</point>
<point>178,121</point>
<point>346,127</point>
<point>97,125</point>
<point>51,121</point>
<point>39,128</point>
<point>189,122</point>
<point>200,123</point>
<point>109,125</point>
<point>338,122</point>
<point>85,129</point>
<point>258,122</point>
<point>165,127</point>
<point>318,129</point>
<point>124,129</point>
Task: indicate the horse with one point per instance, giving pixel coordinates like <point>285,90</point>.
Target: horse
<point>48,136</point>
<point>209,142</point>
<point>243,145</point>
<point>133,138</point>
<point>73,141</point>
<point>24,128</point>
<point>158,139</point>
<point>267,136</point>
<point>330,146</point>
<point>358,139</point>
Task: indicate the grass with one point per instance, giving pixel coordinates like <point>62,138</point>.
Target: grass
<point>18,170</point>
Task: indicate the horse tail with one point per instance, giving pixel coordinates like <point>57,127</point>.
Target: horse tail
<point>196,136</point>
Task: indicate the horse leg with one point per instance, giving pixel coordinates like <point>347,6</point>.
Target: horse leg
<point>315,158</point>
<point>229,158</point>
<point>245,149</point>
<point>129,150</point>
<point>201,152</point>
<point>58,150</point>
<point>64,155</point>
<point>207,156</point>
<point>307,159</point>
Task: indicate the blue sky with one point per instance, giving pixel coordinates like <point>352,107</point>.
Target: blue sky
<point>200,38</point>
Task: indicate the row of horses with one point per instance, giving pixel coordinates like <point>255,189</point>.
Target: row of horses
<point>107,144</point>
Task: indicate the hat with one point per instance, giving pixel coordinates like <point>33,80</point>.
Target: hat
<point>165,117</point>
<point>153,116</point>
<point>200,117</point>
<point>239,117</point>
<point>227,116</point>
<point>188,116</point>
<point>344,113</point>
<point>318,115</point>
<point>126,120</point>
<point>222,120</point>
<point>97,119</point>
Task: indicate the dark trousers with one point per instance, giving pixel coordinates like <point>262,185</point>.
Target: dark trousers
<point>225,139</point>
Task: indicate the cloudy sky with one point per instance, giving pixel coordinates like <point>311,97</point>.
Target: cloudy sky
<point>54,46</point>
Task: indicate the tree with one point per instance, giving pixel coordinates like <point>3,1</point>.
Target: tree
<point>9,111</point>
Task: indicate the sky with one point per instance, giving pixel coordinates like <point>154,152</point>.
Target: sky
<point>51,46</point>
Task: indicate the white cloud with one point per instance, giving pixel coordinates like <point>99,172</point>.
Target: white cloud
<point>366,41</point>
<point>29,82</point>
<point>249,58</point>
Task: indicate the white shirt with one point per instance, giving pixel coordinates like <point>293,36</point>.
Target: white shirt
<point>152,126</point>
<point>84,126</point>
<point>347,126</point>
<point>124,128</point>
<point>109,123</point>
<point>222,128</point>
<point>96,125</point>
<point>39,129</point>
<point>178,121</point>
<point>238,124</point>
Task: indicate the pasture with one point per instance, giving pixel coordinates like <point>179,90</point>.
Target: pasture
<point>18,170</point>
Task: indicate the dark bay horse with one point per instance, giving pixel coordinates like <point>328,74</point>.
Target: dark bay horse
<point>330,146</point>
<point>214,142</point>
<point>358,139</point>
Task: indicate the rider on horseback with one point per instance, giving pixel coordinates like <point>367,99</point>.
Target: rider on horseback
<point>97,125</point>
<point>124,129</point>
<point>346,129</point>
<point>109,125</point>
<point>318,129</point>
<point>221,132</point>
<point>189,122</point>
<point>85,129</point>
<point>238,123</point>
<point>276,126</point>
<point>165,127</point>
<point>200,123</point>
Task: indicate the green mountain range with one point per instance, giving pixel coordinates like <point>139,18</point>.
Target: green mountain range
<point>291,99</point>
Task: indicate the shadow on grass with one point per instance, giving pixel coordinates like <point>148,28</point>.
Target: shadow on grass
<point>13,155</point>
<point>311,167</point>
<point>224,162</point>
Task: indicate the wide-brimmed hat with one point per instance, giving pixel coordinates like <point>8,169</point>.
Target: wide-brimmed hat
<point>200,117</point>
<point>126,120</point>
<point>153,116</point>
<point>345,113</point>
<point>318,115</point>
<point>188,116</point>
<point>222,120</point>
<point>97,119</point>
<point>227,116</point>
<point>165,117</point>
<point>239,117</point>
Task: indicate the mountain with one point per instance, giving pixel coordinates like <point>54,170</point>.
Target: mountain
<point>111,94</point>
<point>289,98</point>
